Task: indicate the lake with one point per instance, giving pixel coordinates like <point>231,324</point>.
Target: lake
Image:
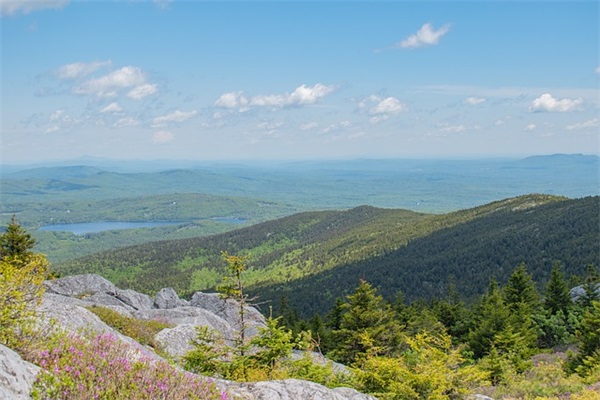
<point>94,227</point>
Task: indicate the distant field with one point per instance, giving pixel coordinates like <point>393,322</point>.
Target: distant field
<point>260,192</point>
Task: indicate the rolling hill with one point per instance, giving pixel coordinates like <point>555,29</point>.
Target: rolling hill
<point>314,257</point>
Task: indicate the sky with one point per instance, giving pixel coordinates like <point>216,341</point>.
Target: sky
<point>274,80</point>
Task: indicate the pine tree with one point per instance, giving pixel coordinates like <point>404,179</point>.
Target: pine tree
<point>233,289</point>
<point>588,357</point>
<point>557,293</point>
<point>492,318</point>
<point>520,291</point>
<point>367,326</point>
<point>16,242</point>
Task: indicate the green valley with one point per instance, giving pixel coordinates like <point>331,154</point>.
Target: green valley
<point>327,252</point>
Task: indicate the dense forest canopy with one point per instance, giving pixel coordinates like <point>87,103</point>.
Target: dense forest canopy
<point>327,252</point>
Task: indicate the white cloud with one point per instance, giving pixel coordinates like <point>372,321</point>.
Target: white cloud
<point>474,100</point>
<point>57,115</point>
<point>161,137</point>
<point>453,129</point>
<point>337,127</point>
<point>302,95</point>
<point>232,100</point>
<point>592,123</point>
<point>112,108</point>
<point>381,109</point>
<point>389,105</point>
<point>424,36</point>
<point>308,126</point>
<point>530,127</point>
<point>548,103</point>
<point>597,70</point>
<point>309,95</point>
<point>126,122</point>
<point>139,92</point>
<point>13,7</point>
<point>107,85</point>
<point>80,69</point>
<point>175,116</point>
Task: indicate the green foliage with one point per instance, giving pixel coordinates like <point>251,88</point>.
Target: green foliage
<point>591,287</point>
<point>21,292</point>
<point>142,331</point>
<point>492,318</point>
<point>429,369</point>
<point>22,274</point>
<point>587,359</point>
<point>557,296</point>
<point>520,293</point>
<point>546,379</point>
<point>232,288</point>
<point>15,242</point>
<point>329,251</point>
<point>274,345</point>
<point>209,354</point>
<point>268,357</point>
<point>367,326</point>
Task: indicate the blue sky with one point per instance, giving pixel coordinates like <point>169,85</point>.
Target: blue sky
<point>298,80</point>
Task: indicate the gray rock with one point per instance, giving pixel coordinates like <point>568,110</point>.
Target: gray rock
<point>80,286</point>
<point>167,298</point>
<point>579,291</point>
<point>289,389</point>
<point>16,375</point>
<point>55,313</point>
<point>229,311</point>
<point>177,341</point>
<point>189,316</point>
<point>137,301</point>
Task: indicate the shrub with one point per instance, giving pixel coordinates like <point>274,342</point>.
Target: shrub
<point>21,290</point>
<point>429,369</point>
<point>106,368</point>
<point>142,331</point>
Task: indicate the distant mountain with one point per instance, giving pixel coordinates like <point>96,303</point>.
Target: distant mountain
<point>54,173</point>
<point>419,185</point>
<point>311,258</point>
<point>562,158</point>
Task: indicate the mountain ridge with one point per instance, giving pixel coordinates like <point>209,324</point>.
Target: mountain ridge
<point>297,252</point>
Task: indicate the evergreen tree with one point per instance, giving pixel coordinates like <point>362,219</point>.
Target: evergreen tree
<point>588,357</point>
<point>233,289</point>
<point>367,326</point>
<point>16,242</point>
<point>520,292</point>
<point>492,318</point>
<point>557,293</point>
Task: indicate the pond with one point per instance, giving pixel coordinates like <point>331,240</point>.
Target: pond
<point>94,227</point>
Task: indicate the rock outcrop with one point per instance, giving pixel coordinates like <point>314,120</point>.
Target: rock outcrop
<point>16,375</point>
<point>64,296</point>
<point>65,303</point>
<point>289,389</point>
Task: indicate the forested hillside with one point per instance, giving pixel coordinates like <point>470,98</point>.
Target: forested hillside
<point>328,252</point>
<point>468,255</point>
